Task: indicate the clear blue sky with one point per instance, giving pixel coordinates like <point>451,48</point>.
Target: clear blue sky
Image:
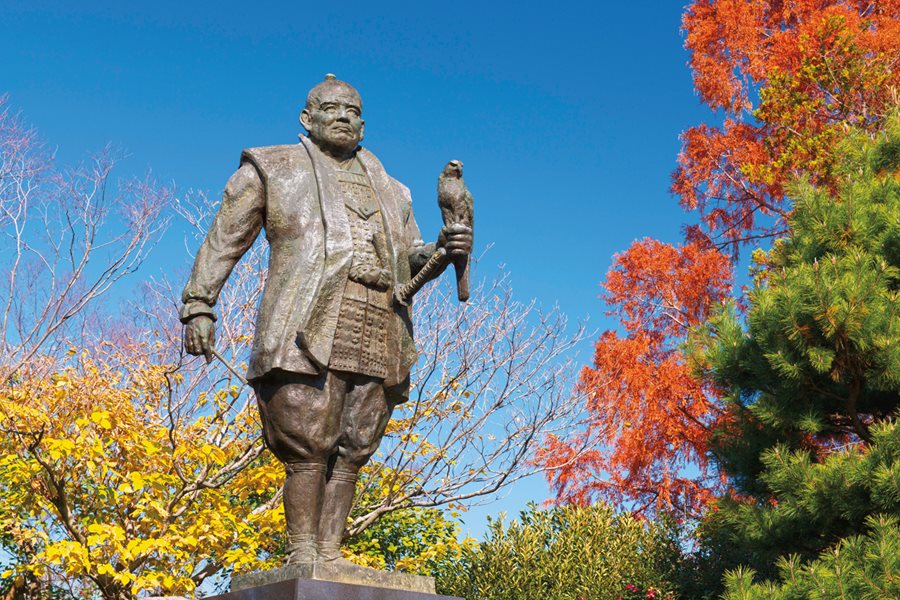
<point>566,115</point>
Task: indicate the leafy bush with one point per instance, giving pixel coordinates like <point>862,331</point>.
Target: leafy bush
<point>571,553</point>
<point>424,541</point>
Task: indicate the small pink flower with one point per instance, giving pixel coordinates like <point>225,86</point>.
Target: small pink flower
<point>631,587</point>
<point>651,593</point>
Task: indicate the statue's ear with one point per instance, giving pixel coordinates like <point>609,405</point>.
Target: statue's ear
<point>306,120</point>
<point>362,129</point>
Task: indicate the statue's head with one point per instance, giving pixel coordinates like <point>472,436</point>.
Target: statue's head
<point>333,116</point>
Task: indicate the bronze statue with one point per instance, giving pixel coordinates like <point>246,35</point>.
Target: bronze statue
<point>334,343</point>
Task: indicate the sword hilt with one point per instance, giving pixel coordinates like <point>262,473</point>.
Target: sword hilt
<point>404,293</point>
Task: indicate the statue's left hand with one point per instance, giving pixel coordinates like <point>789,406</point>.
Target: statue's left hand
<point>456,239</point>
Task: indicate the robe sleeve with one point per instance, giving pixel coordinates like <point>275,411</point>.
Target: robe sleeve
<point>235,228</point>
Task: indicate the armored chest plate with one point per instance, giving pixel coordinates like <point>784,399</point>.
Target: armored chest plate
<point>360,343</point>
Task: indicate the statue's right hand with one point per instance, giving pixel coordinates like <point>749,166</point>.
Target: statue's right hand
<point>200,337</point>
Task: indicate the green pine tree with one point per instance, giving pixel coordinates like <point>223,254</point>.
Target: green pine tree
<point>855,491</point>
<point>812,378</point>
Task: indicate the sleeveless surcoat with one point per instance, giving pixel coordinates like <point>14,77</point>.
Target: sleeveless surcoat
<point>298,201</point>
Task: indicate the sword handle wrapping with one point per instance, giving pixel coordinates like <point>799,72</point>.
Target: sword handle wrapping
<point>404,293</point>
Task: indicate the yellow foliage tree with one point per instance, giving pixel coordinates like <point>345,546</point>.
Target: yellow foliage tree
<point>128,467</point>
<point>122,468</point>
<point>101,485</point>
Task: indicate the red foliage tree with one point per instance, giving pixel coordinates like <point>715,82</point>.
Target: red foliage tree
<point>647,415</point>
<point>788,78</point>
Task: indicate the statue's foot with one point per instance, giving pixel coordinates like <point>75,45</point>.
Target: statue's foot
<point>339,561</point>
<point>330,556</point>
<point>302,549</point>
<point>343,565</point>
<point>300,558</point>
<point>328,551</point>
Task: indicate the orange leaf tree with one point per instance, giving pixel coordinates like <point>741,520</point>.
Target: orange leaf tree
<point>648,416</point>
<point>788,79</point>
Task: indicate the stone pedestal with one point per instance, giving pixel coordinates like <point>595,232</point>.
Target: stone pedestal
<point>311,589</point>
<point>330,581</point>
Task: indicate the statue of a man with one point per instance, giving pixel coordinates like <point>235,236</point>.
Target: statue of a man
<point>333,350</point>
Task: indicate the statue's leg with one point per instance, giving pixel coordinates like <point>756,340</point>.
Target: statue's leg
<point>339,491</point>
<point>303,485</point>
<point>365,416</point>
<point>301,425</point>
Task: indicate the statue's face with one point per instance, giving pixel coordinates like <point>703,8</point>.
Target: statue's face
<point>335,123</point>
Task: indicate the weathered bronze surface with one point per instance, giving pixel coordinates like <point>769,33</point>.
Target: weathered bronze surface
<point>333,345</point>
<point>457,207</point>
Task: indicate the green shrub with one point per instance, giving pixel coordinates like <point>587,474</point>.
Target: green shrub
<point>568,553</point>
